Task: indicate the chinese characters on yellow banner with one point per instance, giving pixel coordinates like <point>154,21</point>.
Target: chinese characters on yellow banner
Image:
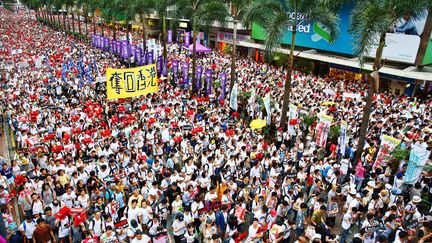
<point>131,82</point>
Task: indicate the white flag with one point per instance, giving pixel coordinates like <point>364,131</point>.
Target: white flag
<point>266,101</point>
<point>233,97</point>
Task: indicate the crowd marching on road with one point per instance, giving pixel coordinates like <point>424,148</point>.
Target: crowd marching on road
<point>169,167</point>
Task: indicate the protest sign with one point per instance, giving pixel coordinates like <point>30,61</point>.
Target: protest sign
<point>417,160</point>
<point>387,145</point>
<point>131,82</point>
<point>322,129</point>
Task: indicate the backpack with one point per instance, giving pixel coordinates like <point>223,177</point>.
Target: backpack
<point>326,170</point>
<point>93,222</point>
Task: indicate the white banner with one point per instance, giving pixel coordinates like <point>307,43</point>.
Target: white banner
<point>252,102</point>
<point>293,114</point>
<point>266,101</point>
<point>351,96</point>
<point>342,138</point>
<point>233,97</point>
<point>417,160</point>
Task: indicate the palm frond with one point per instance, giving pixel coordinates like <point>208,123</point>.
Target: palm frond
<point>212,12</point>
<point>260,11</point>
<point>275,28</point>
<point>368,22</point>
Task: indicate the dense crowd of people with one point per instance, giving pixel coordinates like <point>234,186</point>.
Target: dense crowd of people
<point>155,177</point>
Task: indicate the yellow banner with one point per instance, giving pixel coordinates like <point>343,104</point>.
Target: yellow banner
<point>131,82</point>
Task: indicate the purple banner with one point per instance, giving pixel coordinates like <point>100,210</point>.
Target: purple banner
<point>97,41</point>
<point>138,56</point>
<point>106,44</point>
<point>150,57</point>
<point>199,71</point>
<point>133,52</point>
<point>100,42</point>
<point>118,48</point>
<point>187,39</point>
<point>178,36</point>
<point>208,77</point>
<point>159,65</point>
<point>164,69</point>
<point>175,69</point>
<point>113,46</point>
<point>170,36</point>
<point>93,40</point>
<point>185,70</point>
<point>125,49</point>
<point>223,86</point>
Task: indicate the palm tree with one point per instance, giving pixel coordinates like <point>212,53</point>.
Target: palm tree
<point>162,8</point>
<point>238,7</point>
<point>202,12</point>
<point>143,8</point>
<point>80,4</point>
<point>58,6</point>
<point>372,19</point>
<point>276,17</point>
<point>93,5</point>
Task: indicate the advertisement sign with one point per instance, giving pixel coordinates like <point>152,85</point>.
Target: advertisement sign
<point>387,145</point>
<point>131,82</point>
<point>428,55</point>
<point>417,160</point>
<point>312,35</point>
<point>402,41</point>
<point>228,37</point>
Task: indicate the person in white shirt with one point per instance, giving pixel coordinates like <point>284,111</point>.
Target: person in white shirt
<point>140,237</point>
<point>28,227</point>
<point>133,212</point>
<point>211,195</point>
<point>347,222</point>
<point>253,236</point>
<point>68,198</point>
<point>96,225</point>
<point>64,230</point>
<point>37,205</point>
<point>179,228</point>
<point>401,236</point>
<point>134,227</point>
<point>255,171</point>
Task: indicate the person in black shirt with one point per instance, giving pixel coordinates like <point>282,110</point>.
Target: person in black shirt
<point>172,192</point>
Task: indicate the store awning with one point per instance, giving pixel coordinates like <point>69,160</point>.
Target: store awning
<point>199,48</point>
<point>410,72</point>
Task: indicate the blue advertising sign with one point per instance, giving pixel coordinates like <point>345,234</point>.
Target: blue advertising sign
<point>312,35</point>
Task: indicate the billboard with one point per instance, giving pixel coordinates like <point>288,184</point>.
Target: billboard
<point>402,41</point>
<point>428,55</point>
<point>312,35</point>
<point>228,37</point>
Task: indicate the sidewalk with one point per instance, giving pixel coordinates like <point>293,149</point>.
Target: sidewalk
<point>6,152</point>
